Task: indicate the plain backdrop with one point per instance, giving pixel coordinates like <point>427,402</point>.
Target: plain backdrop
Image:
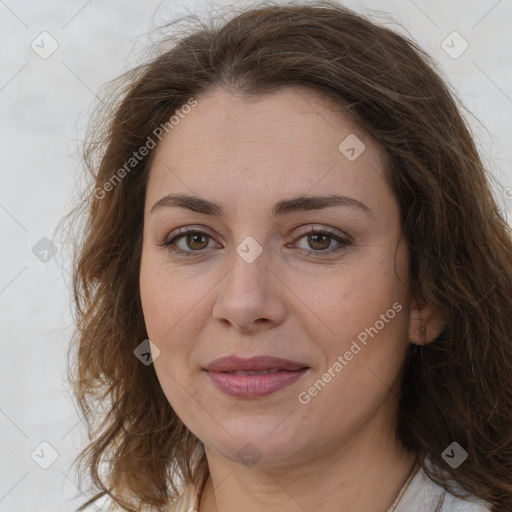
<point>45,102</point>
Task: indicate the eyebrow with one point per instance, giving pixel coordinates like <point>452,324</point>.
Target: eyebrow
<point>295,204</point>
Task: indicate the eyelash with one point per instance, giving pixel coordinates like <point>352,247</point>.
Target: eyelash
<point>344,243</point>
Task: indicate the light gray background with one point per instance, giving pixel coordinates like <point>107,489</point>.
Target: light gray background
<point>44,105</point>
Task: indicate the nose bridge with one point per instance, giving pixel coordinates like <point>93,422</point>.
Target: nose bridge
<point>251,236</point>
<point>247,294</point>
<point>250,264</point>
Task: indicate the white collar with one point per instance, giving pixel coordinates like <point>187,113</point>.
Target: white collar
<point>425,495</point>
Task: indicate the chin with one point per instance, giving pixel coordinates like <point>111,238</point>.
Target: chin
<point>256,443</point>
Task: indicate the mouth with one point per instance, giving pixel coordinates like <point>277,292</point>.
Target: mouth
<point>261,372</point>
<point>263,363</point>
<point>254,377</point>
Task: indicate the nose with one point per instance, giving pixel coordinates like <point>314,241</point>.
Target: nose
<point>250,296</point>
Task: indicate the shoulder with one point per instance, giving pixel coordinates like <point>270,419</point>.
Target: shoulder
<point>425,495</point>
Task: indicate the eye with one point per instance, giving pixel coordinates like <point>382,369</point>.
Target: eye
<point>320,241</point>
<point>195,241</point>
<point>192,238</point>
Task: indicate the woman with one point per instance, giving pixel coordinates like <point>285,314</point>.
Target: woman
<point>294,284</point>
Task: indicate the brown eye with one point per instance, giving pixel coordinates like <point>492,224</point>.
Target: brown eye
<point>319,242</point>
<point>192,241</point>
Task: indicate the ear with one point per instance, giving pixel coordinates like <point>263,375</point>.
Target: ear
<point>425,322</point>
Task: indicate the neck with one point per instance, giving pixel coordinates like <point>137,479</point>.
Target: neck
<point>364,477</point>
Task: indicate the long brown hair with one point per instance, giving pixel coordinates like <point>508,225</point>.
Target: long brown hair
<point>458,388</point>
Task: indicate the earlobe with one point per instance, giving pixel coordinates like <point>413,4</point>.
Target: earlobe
<point>425,322</point>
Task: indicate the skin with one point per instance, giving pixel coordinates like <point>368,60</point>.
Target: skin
<point>339,451</point>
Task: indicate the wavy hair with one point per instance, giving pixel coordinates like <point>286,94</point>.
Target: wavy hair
<point>458,388</point>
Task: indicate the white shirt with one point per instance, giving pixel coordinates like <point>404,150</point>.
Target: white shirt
<point>425,495</point>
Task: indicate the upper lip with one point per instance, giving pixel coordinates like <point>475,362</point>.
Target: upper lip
<point>252,364</point>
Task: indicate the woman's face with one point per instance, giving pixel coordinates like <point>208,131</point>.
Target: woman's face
<point>249,280</point>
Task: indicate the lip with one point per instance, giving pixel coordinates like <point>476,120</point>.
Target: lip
<point>253,364</point>
<point>284,373</point>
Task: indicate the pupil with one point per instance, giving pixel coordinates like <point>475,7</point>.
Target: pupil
<point>195,238</point>
<point>315,237</point>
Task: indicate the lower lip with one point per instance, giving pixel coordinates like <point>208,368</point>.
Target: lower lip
<point>252,386</point>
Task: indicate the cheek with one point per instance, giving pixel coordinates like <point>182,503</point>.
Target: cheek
<point>168,297</point>
<point>175,307</point>
<point>360,316</point>
<point>363,358</point>
<point>165,315</point>
<point>352,297</point>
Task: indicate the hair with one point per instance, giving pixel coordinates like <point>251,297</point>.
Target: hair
<point>457,388</point>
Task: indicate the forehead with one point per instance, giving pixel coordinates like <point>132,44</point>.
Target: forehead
<point>293,141</point>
